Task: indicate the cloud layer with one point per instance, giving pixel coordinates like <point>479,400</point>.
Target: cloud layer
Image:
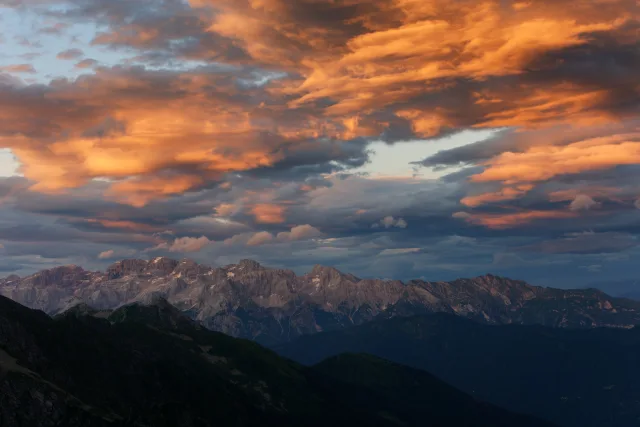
<point>218,128</point>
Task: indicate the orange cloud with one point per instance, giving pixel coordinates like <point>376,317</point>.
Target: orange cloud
<point>268,213</point>
<point>118,125</point>
<point>520,172</point>
<point>510,220</point>
<point>124,225</point>
<point>545,162</point>
<point>106,254</point>
<point>354,68</point>
<point>547,107</point>
<point>152,134</point>
<point>591,191</point>
<point>508,193</point>
<point>18,68</point>
<point>139,192</point>
<point>369,57</point>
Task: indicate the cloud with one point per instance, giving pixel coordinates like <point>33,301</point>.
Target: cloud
<point>56,29</point>
<point>299,232</point>
<point>295,234</point>
<point>268,213</point>
<point>228,130</point>
<point>69,54</point>
<point>290,91</point>
<point>243,121</point>
<point>400,251</point>
<point>582,203</point>
<point>517,141</point>
<point>418,55</point>
<point>389,222</point>
<point>86,63</point>
<point>106,254</point>
<point>590,191</point>
<point>591,154</point>
<point>511,220</point>
<point>18,68</point>
<point>508,193</point>
<point>184,244</point>
<point>250,239</point>
<point>536,161</point>
<point>260,238</point>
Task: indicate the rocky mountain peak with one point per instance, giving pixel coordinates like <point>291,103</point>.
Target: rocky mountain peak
<point>163,264</point>
<point>65,275</point>
<point>325,271</point>
<point>189,269</point>
<point>125,267</point>
<point>249,265</point>
<point>331,274</point>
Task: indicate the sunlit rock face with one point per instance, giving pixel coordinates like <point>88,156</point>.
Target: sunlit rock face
<point>273,305</point>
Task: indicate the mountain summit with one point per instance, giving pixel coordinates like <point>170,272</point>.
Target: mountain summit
<point>273,306</point>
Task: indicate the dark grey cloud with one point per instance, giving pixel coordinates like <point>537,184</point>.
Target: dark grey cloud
<point>315,158</point>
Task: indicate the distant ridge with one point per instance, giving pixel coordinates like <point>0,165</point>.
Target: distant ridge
<point>273,306</point>
<point>573,377</point>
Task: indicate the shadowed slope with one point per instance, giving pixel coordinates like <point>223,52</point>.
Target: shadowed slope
<point>149,365</point>
<point>576,378</point>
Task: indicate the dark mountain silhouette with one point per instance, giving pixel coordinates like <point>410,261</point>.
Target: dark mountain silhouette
<point>574,377</point>
<point>147,365</point>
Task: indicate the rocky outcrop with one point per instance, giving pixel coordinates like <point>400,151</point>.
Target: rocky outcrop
<point>274,305</point>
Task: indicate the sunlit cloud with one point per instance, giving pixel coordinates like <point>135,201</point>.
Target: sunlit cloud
<point>184,244</point>
<point>73,53</point>
<point>268,213</point>
<point>106,254</point>
<point>510,220</point>
<point>251,125</point>
<point>299,232</point>
<point>18,68</point>
<point>583,202</point>
<point>543,163</point>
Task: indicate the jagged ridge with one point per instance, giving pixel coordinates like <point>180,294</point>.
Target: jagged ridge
<point>275,305</point>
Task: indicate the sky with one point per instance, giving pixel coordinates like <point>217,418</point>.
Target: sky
<point>430,139</point>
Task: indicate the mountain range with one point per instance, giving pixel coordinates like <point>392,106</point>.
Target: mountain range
<point>273,306</point>
<point>148,365</point>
